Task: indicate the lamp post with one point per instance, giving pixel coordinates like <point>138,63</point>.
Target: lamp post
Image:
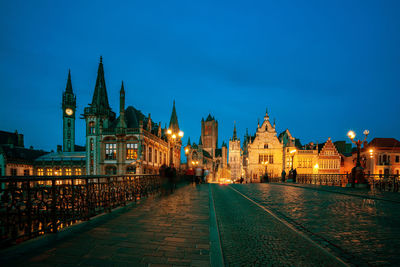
<point>174,137</point>
<point>357,171</point>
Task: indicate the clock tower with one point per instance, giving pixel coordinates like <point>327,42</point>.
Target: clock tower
<point>68,108</point>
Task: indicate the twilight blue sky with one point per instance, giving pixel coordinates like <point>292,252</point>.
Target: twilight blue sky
<point>321,67</point>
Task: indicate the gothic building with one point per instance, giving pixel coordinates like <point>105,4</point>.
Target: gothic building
<point>235,160</point>
<point>264,152</point>
<point>206,154</point>
<point>130,143</point>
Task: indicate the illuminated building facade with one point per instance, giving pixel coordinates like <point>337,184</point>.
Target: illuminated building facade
<point>131,143</point>
<point>264,152</point>
<point>235,157</point>
<point>206,154</point>
<point>381,156</point>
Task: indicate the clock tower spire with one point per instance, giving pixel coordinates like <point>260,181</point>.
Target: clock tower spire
<point>68,108</point>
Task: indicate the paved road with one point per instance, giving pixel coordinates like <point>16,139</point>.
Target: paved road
<point>360,230</point>
<point>258,224</point>
<point>252,236</point>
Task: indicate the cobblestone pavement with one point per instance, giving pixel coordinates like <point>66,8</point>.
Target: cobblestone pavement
<point>360,192</point>
<point>161,231</point>
<point>250,236</point>
<point>363,231</point>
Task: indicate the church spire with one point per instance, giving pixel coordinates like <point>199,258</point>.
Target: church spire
<point>121,122</point>
<point>188,143</point>
<point>68,88</point>
<point>100,98</point>
<point>234,137</point>
<point>173,123</point>
<point>122,99</point>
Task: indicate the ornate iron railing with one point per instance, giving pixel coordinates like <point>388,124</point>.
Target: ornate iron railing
<point>383,182</point>
<point>35,205</point>
<point>323,179</point>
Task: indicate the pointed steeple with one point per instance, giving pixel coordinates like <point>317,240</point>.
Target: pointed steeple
<point>200,142</point>
<point>266,117</point>
<point>188,143</point>
<point>122,99</point>
<point>121,122</point>
<point>234,137</point>
<point>68,88</point>
<point>100,98</point>
<point>173,123</point>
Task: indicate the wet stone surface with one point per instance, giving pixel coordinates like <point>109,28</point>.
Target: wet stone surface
<point>365,230</point>
<point>252,237</point>
<point>162,231</point>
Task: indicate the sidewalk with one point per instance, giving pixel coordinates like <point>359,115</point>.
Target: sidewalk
<point>160,231</point>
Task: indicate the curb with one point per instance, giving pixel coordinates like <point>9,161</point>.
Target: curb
<point>216,258</point>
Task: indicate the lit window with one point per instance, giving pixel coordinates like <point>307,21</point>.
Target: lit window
<point>49,172</point>
<point>40,172</point>
<point>131,151</point>
<point>68,171</point>
<point>78,171</point>
<point>58,172</point>
<point>111,151</point>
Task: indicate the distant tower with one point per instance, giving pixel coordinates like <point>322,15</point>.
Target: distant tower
<point>209,134</point>
<point>235,161</point>
<point>68,108</point>
<point>175,144</point>
<point>98,116</point>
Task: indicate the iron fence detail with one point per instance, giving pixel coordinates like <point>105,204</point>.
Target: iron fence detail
<point>323,179</point>
<point>383,182</point>
<point>35,205</point>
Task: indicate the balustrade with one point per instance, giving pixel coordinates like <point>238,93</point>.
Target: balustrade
<point>35,205</point>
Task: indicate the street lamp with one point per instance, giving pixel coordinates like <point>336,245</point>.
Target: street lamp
<point>357,171</point>
<point>175,136</point>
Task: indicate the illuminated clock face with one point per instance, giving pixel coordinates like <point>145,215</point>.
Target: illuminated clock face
<point>69,111</point>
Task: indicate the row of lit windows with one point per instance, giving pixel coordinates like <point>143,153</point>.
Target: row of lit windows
<point>265,158</point>
<point>329,164</point>
<point>305,163</point>
<point>132,153</point>
<point>58,172</point>
<point>158,157</point>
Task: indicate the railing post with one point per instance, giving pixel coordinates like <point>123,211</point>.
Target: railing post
<point>29,208</point>
<point>87,204</point>
<point>73,199</point>
<point>54,205</point>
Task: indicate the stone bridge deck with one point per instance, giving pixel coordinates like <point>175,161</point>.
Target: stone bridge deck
<point>231,225</point>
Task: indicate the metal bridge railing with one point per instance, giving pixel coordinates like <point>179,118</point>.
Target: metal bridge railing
<point>34,205</point>
<point>323,179</point>
<point>383,182</point>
